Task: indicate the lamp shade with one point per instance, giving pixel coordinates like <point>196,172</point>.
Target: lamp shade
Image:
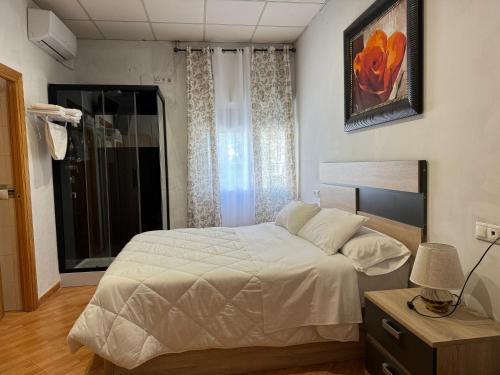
<point>437,266</point>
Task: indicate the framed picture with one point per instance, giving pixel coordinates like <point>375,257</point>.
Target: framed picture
<point>383,64</point>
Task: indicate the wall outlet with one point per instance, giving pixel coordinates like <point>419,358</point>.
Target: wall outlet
<point>316,194</point>
<point>159,79</point>
<point>487,232</point>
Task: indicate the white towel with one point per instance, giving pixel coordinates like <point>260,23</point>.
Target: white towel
<point>46,107</point>
<point>57,113</point>
<point>74,119</point>
<point>73,112</point>
<point>57,140</point>
<point>48,112</point>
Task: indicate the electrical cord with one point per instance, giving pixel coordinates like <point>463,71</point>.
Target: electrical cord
<point>412,306</point>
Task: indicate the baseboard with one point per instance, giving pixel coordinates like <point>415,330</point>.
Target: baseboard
<point>54,288</point>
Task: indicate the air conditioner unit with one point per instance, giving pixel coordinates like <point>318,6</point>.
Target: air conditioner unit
<point>51,34</point>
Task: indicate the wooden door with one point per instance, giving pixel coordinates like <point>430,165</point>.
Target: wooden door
<point>9,258</point>
<point>17,258</point>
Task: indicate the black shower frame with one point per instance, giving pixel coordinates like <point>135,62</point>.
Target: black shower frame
<point>52,95</point>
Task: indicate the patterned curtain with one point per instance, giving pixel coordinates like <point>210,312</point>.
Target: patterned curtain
<point>203,177</point>
<point>273,132</point>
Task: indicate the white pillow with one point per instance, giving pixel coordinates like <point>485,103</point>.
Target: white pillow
<point>295,214</point>
<point>374,253</point>
<point>330,228</point>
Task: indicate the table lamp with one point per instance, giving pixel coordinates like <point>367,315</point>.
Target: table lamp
<point>437,268</point>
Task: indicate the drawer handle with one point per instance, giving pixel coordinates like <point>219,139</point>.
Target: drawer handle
<point>387,369</point>
<point>387,325</point>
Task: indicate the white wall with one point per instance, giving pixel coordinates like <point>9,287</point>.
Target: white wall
<point>459,132</point>
<point>38,69</point>
<point>137,63</point>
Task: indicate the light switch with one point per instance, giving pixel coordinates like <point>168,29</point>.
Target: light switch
<point>480,231</point>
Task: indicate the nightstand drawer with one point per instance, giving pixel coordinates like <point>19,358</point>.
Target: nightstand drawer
<point>379,362</point>
<point>415,355</point>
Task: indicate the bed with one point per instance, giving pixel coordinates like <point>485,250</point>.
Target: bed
<point>206,301</point>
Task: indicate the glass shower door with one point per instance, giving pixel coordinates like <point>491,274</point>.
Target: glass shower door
<point>120,156</point>
<point>95,189</point>
<point>149,146</point>
<point>70,183</point>
<point>112,183</point>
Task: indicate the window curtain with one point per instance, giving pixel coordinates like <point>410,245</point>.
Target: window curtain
<point>203,177</point>
<point>272,132</point>
<point>231,72</point>
<point>241,147</point>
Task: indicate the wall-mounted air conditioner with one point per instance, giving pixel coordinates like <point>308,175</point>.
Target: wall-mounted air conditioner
<point>51,34</point>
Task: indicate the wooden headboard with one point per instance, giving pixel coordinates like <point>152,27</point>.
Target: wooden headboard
<point>392,194</point>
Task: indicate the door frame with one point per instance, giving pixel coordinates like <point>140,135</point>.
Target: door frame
<point>24,219</point>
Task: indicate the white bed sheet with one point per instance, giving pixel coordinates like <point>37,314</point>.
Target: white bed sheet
<point>194,289</point>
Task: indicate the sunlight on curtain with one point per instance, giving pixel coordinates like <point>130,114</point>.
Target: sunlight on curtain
<point>233,121</point>
<point>273,132</point>
<point>241,150</point>
<point>203,176</point>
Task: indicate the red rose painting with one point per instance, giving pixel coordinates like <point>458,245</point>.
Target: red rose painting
<point>379,61</point>
<point>383,64</point>
<point>376,68</point>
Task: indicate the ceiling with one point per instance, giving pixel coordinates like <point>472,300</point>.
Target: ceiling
<point>269,21</point>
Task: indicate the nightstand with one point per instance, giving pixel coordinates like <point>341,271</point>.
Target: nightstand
<point>401,342</point>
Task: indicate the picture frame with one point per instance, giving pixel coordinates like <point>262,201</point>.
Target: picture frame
<point>383,64</point>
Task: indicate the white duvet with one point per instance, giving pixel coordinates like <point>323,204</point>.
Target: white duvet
<point>194,289</point>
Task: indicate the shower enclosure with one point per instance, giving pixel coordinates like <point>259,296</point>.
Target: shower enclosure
<point>113,181</point>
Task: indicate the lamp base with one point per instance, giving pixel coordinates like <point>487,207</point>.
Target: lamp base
<point>437,300</point>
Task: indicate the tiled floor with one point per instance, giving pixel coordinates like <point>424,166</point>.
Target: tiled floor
<point>35,343</point>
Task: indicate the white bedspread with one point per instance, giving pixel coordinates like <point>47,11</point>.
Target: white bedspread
<point>194,289</point>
